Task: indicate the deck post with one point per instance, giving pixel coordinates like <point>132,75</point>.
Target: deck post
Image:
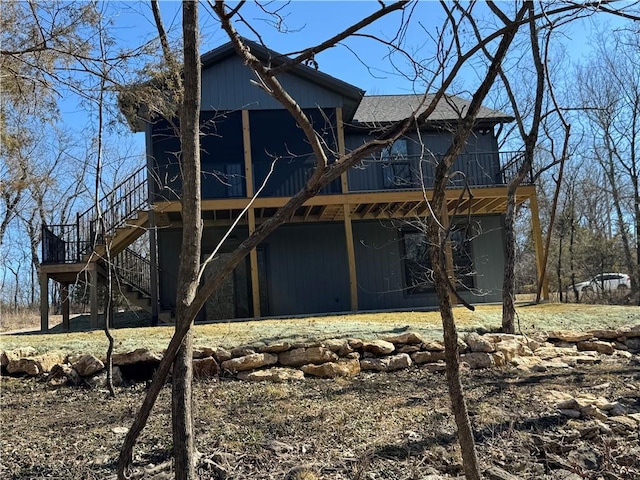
<point>93,294</point>
<point>251,216</point>
<point>537,243</point>
<point>351,258</point>
<point>64,294</point>
<point>153,237</point>
<point>44,301</point>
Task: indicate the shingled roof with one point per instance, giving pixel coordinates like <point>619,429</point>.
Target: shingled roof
<point>381,109</point>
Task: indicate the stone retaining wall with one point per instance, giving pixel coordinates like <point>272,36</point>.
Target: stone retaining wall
<point>283,361</point>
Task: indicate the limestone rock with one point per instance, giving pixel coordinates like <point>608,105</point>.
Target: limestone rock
<point>570,336</point>
<point>36,365</point>
<point>137,356</point>
<point>63,374</point>
<point>408,349</point>
<point>633,344</point>
<point>221,354</point>
<point>242,351</point>
<point>386,364</point>
<point>303,356</point>
<point>277,347</point>
<point>100,380</point>
<point>343,368</point>
<point>435,367</point>
<point>249,362</point>
<point>355,343</point>
<point>622,424</point>
<point>16,354</point>
<point>275,375</point>
<point>88,365</point>
<point>433,346</point>
<point>547,353</point>
<point>606,334</point>
<point>499,360</point>
<point>205,367</point>
<point>596,346</point>
<point>203,352</point>
<point>496,473</point>
<point>427,357</point>
<point>479,344</point>
<point>477,360</point>
<point>378,347</point>
<point>335,344</point>
<point>407,338</point>
<point>346,350</point>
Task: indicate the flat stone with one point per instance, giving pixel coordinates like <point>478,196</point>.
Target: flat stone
<point>277,347</point>
<point>335,344</point>
<point>355,343</point>
<point>303,356</point>
<point>88,365</point>
<point>249,362</point>
<point>386,364</point>
<point>408,349</point>
<point>477,360</point>
<point>203,352</point>
<point>479,344</point>
<point>433,346</point>
<point>16,354</point>
<point>606,334</point>
<point>511,349</point>
<point>378,347</point>
<point>526,363</point>
<point>434,367</point>
<point>547,353</point>
<point>622,423</point>
<point>342,368</point>
<point>137,356</point>
<point>582,359</point>
<point>407,338</point>
<point>36,365</point>
<point>570,413</point>
<point>205,367</point>
<point>569,336</point>
<point>427,357</point>
<point>635,417</point>
<point>496,473</point>
<point>221,354</point>
<point>596,346</point>
<point>99,380</point>
<point>63,374</point>
<point>275,375</point>
<point>242,351</point>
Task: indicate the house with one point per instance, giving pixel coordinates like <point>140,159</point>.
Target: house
<point>358,245</point>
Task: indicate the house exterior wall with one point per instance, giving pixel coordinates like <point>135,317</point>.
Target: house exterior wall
<point>380,265</point>
<point>228,85</point>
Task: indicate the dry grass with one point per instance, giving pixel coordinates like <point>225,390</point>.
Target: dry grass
<point>366,325</point>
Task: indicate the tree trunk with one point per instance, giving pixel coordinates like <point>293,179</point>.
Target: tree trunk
<point>182,422</point>
<point>509,280</point>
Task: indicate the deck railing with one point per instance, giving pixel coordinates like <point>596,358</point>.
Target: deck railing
<point>133,270</point>
<point>71,242</point>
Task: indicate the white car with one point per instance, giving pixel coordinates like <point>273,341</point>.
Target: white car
<point>605,282</point>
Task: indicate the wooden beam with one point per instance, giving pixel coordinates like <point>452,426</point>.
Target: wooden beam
<point>537,243</point>
<point>344,177</point>
<point>64,296</point>
<point>253,263</point>
<point>351,258</point>
<point>44,301</point>
<point>246,142</point>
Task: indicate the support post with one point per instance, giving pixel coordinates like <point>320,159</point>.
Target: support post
<point>351,258</point>
<point>64,294</point>
<point>44,302</point>
<point>344,178</point>
<point>251,215</point>
<point>93,294</point>
<point>537,243</point>
<point>153,236</point>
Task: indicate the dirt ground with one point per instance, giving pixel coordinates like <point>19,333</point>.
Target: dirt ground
<point>374,426</point>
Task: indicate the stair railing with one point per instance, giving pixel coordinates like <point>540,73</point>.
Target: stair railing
<point>134,271</point>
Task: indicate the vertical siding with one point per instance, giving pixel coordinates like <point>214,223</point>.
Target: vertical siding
<point>228,86</point>
<point>307,269</point>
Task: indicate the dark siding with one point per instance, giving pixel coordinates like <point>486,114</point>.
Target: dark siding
<point>307,269</point>
<point>275,135</point>
<point>378,249</point>
<point>228,86</point>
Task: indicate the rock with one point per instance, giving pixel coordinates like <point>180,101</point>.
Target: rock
<point>478,344</point>
<point>427,357</point>
<point>596,346</point>
<point>120,430</point>
<point>378,347</point>
<point>249,362</point>
<point>303,356</point>
<point>434,367</point>
<point>16,354</point>
<point>568,404</point>
<point>569,336</point>
<point>496,473</point>
<point>137,356</point>
<point>342,368</point>
<point>570,413</point>
<point>635,417</point>
<point>346,350</point>
<point>63,374</point>
<point>205,367</point>
<point>511,349</point>
<point>275,375</point>
<point>547,353</point>
<point>277,347</point>
<point>581,359</point>
<point>622,424</point>
<point>36,365</point>
<point>100,380</point>
<point>242,351</point>
<point>526,363</point>
<point>606,334</point>
<point>477,360</point>
<point>407,338</point>
<point>222,354</point>
<point>408,349</point>
<point>88,365</point>
<point>433,346</point>
<point>203,352</point>
<point>355,343</point>
<point>386,364</point>
<point>633,344</point>
<point>499,359</point>
<point>335,344</point>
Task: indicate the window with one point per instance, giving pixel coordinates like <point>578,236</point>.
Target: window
<point>396,169</point>
<point>417,263</point>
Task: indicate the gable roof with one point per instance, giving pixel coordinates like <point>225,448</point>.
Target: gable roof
<point>383,109</point>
